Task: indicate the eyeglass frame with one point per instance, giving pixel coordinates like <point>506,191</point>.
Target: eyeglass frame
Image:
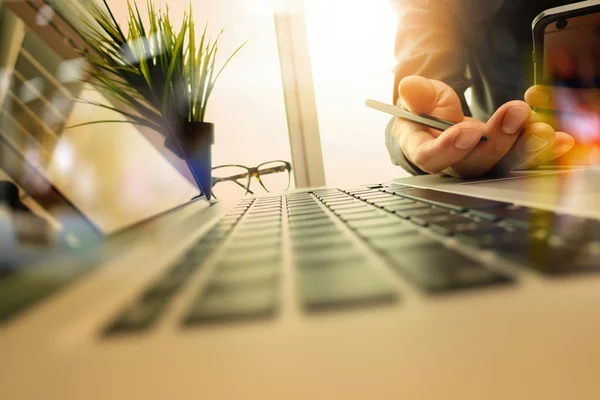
<point>253,172</point>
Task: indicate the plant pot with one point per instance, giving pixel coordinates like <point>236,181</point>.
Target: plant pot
<point>192,141</point>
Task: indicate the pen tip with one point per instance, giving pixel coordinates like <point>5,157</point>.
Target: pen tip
<point>484,138</point>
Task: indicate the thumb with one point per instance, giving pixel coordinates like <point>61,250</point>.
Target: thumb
<point>427,96</point>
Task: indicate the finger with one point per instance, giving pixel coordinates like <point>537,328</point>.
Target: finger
<point>547,118</point>
<point>563,99</point>
<point>503,130</point>
<point>538,96</point>
<point>432,154</point>
<point>427,96</point>
<point>535,139</point>
<point>563,144</point>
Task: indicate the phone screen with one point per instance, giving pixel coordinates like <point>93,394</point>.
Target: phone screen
<point>571,67</point>
<point>572,52</point>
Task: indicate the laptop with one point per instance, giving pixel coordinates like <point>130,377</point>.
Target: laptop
<point>133,286</point>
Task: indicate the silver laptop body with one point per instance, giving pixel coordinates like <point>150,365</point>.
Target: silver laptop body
<point>422,288</point>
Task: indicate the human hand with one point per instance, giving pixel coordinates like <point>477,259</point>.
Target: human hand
<point>575,110</point>
<point>572,103</point>
<point>516,137</point>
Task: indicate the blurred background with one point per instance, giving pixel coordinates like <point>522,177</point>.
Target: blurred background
<point>351,56</point>
<point>295,93</point>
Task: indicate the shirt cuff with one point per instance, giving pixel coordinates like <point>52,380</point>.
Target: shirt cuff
<point>400,159</point>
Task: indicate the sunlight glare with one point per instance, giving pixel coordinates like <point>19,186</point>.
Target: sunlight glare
<point>352,54</point>
<point>71,70</point>
<point>31,90</point>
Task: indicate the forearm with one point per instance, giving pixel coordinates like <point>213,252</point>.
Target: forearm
<point>428,44</point>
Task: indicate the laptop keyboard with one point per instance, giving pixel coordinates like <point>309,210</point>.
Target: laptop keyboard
<point>331,271</point>
<point>153,301</point>
<point>420,258</point>
<point>402,225</point>
<point>245,282</point>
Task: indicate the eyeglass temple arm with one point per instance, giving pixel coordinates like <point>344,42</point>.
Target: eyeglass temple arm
<point>229,178</point>
<point>272,170</point>
<point>219,180</point>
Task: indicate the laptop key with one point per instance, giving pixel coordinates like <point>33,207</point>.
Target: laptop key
<point>307,217</point>
<point>386,231</point>
<point>472,228</point>
<point>166,286</point>
<point>401,241</point>
<point>373,196</point>
<point>250,302</point>
<point>445,218</point>
<point>264,214</point>
<point>494,240</point>
<point>426,210</point>
<point>452,201</point>
<point>321,258</point>
<point>298,200</point>
<point>415,215</point>
<point>259,219</point>
<point>437,269</point>
<point>400,209</point>
<point>353,192</point>
<point>383,197</point>
<point>228,278</point>
<point>297,206</point>
<point>370,214</point>
<point>332,203</point>
<point>138,317</point>
<point>254,257</point>
<point>318,243</point>
<point>392,208</point>
<point>305,211</point>
<point>377,222</point>
<point>349,206</point>
<point>354,210</point>
<point>247,244</point>
<point>352,285</point>
<point>394,200</point>
<point>323,221</point>
<point>266,206</point>
<point>333,196</point>
<point>257,225</point>
<point>323,191</point>
<point>320,231</point>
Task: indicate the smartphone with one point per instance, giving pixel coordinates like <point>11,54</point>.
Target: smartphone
<point>566,45</point>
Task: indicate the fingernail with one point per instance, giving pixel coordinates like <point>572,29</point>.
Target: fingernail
<point>534,144</point>
<point>560,150</point>
<point>542,98</point>
<point>514,119</point>
<point>466,139</point>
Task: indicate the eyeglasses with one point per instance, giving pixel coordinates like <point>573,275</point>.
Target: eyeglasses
<point>230,181</point>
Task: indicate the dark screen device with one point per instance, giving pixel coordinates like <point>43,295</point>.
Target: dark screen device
<point>566,44</point>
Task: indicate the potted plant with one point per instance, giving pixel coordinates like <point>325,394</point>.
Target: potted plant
<point>164,78</point>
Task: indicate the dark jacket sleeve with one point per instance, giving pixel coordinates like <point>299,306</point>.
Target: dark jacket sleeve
<point>400,159</point>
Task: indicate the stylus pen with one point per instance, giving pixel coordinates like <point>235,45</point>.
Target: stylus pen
<point>426,120</point>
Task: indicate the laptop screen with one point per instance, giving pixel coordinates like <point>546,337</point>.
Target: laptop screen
<point>110,175</point>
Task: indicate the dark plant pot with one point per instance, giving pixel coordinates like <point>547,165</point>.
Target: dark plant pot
<point>192,142</point>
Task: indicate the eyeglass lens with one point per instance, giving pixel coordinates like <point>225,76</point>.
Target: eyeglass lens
<point>274,176</point>
<point>231,181</point>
